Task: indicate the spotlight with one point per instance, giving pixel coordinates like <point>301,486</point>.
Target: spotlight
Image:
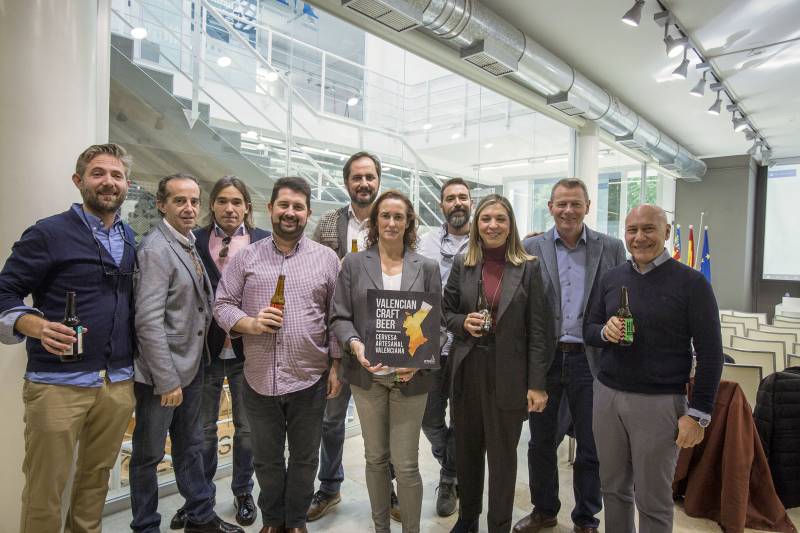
<point>716,107</point>
<point>224,61</point>
<point>700,88</point>
<point>634,14</point>
<point>674,45</point>
<point>682,70</point>
<point>739,124</point>
<point>353,100</point>
<point>139,33</point>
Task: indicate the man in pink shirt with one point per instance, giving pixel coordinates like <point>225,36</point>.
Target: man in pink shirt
<point>292,362</point>
<point>230,228</point>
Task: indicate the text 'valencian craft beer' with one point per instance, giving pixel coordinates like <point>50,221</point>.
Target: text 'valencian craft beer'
<point>624,314</point>
<point>71,320</point>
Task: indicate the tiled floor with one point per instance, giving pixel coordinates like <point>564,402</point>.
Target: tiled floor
<point>353,514</point>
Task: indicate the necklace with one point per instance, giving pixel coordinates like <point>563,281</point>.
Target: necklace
<point>497,289</point>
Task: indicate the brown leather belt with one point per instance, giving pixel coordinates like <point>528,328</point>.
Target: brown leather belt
<point>570,347</point>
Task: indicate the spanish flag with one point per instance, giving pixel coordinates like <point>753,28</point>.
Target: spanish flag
<point>690,253</point>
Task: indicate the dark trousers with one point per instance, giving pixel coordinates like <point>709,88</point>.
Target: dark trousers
<point>484,430</point>
<point>439,434</point>
<point>286,490</point>
<point>569,375</point>
<point>153,422</point>
<point>215,373</point>
<point>331,472</point>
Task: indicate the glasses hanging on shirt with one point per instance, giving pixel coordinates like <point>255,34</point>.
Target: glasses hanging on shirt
<point>104,264</point>
<point>226,243</point>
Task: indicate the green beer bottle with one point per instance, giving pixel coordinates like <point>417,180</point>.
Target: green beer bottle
<point>624,314</point>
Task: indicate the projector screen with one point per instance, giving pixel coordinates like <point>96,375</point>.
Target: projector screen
<point>782,224</point>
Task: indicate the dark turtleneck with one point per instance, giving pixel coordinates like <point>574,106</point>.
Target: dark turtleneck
<point>494,262</point>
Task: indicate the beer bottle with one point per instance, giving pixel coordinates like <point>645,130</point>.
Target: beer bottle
<point>354,246</point>
<point>483,309</point>
<point>624,314</point>
<point>278,301</point>
<point>75,351</point>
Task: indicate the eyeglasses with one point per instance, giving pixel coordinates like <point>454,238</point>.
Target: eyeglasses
<point>447,256</point>
<point>104,264</point>
<point>226,242</point>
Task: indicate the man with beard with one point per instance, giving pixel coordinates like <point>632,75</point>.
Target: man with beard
<point>573,259</point>
<point>337,229</point>
<point>173,313</point>
<point>78,385</point>
<point>291,364</point>
<point>443,245</point>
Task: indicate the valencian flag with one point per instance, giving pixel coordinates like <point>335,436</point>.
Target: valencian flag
<point>676,243</point>
<point>705,259</point>
<point>690,253</point>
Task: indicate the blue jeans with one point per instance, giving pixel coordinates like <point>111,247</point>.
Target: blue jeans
<point>149,436</point>
<point>215,373</point>
<point>286,490</point>
<point>434,425</point>
<point>570,375</point>
<point>331,472</point>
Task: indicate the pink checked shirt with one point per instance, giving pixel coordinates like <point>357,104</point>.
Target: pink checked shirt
<point>297,355</point>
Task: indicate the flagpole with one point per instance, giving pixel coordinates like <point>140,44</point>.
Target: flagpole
<point>697,246</point>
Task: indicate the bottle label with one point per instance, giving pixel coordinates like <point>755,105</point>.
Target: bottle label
<point>628,330</point>
<point>76,348</point>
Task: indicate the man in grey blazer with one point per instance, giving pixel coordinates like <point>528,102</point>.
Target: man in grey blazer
<point>573,258</point>
<point>173,312</point>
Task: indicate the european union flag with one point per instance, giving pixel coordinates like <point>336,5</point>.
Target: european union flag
<point>705,259</point>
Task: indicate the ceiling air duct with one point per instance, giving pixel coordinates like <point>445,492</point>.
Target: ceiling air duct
<point>399,15</point>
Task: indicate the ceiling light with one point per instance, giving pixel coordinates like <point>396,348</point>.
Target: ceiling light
<point>488,145</point>
<point>700,88</point>
<point>634,14</point>
<point>353,100</point>
<point>251,135</point>
<point>456,135</point>
<point>224,61</point>
<point>139,33</point>
<point>716,107</point>
<point>739,124</point>
<point>271,76</point>
<point>427,126</point>
<point>749,134</point>
<point>674,46</point>
<point>682,70</point>
<point>753,149</point>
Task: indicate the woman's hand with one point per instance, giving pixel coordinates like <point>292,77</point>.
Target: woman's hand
<point>357,347</point>
<point>537,400</point>
<point>473,324</point>
<point>404,375</point>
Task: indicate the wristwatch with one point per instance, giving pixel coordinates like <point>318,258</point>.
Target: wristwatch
<point>702,421</point>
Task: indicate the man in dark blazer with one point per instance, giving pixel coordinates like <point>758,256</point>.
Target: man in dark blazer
<point>573,258</point>
<point>337,229</point>
<point>229,229</point>
<point>174,303</point>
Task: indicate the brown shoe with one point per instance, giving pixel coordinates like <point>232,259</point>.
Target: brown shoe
<point>321,503</point>
<point>585,529</point>
<point>535,522</point>
<point>272,529</point>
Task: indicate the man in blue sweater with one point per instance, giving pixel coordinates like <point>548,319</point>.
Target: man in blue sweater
<point>87,250</point>
<point>640,410</point>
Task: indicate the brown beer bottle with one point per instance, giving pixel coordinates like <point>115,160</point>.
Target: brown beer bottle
<point>75,351</point>
<point>278,301</point>
<point>624,314</point>
<point>353,246</point>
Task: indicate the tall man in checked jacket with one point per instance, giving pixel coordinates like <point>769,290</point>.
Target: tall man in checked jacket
<point>229,230</point>
<point>573,258</point>
<point>336,230</point>
<point>89,250</point>
<point>174,303</point>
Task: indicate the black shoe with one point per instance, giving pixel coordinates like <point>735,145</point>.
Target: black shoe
<point>246,511</point>
<point>215,525</point>
<point>465,525</point>
<point>394,511</point>
<point>447,500</point>
<point>179,520</point>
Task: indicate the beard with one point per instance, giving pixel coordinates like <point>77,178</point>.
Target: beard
<point>363,203</point>
<point>458,218</point>
<point>92,199</point>
<point>287,235</point>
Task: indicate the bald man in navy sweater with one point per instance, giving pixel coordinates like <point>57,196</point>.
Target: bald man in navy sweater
<point>641,417</point>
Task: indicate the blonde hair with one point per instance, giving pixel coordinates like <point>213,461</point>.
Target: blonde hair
<point>515,252</point>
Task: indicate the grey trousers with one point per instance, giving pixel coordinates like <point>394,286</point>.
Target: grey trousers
<point>635,437</point>
<point>390,426</point>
